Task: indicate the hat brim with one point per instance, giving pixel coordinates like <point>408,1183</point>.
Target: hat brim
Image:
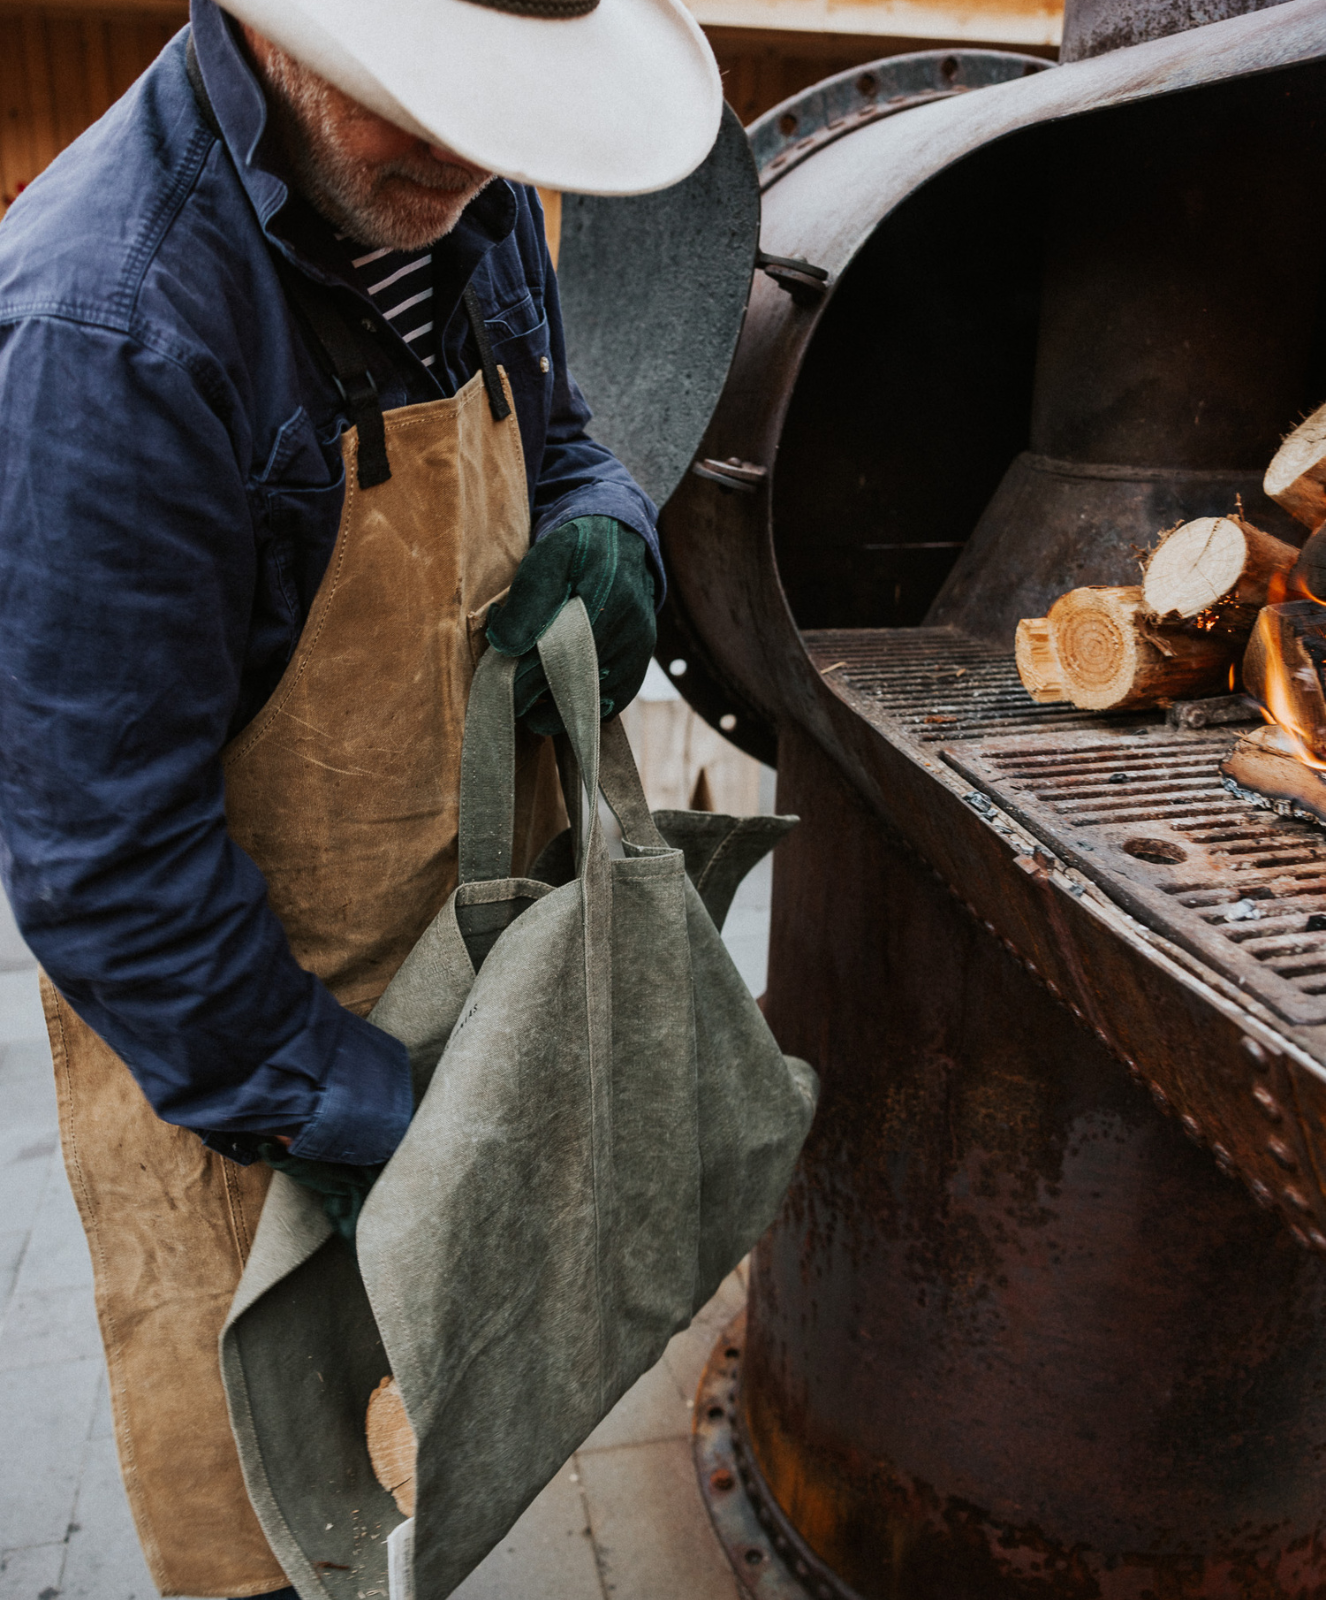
<point>625,100</point>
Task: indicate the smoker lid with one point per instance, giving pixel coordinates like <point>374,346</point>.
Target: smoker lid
<point>830,207</point>
<point>654,289</point>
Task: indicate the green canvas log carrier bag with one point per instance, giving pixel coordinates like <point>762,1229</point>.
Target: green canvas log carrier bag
<point>605,1126</point>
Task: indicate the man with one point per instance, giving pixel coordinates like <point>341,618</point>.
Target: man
<point>285,401</point>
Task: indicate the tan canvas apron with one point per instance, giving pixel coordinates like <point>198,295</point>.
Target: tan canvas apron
<point>344,792</point>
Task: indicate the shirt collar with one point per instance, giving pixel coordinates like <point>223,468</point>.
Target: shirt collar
<point>292,225</point>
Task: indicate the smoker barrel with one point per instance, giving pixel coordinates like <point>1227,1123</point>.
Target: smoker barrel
<point>1044,1313</point>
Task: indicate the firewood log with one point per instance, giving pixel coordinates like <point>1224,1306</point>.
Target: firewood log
<point>1114,657</point>
<point>1282,668</point>
<point>391,1444</point>
<point>1264,766</point>
<point>1296,477</point>
<point>1038,663</point>
<point>1213,574</point>
<point>1308,579</point>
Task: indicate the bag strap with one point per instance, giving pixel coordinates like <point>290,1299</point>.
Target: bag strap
<point>623,790</point>
<point>571,664</point>
<point>488,753</point>
<point>488,772</point>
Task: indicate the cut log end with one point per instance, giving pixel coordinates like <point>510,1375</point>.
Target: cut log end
<point>1216,569</point>
<point>1113,657</point>
<point>1038,661</point>
<point>1263,767</point>
<point>1296,477</point>
<point>391,1444</point>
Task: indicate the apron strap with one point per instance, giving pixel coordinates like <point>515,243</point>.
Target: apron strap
<point>492,378</point>
<point>341,350</point>
<point>343,359</point>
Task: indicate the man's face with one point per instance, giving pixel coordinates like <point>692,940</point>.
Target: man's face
<point>372,180</point>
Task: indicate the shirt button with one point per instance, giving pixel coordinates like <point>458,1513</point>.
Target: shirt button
<point>544,364</point>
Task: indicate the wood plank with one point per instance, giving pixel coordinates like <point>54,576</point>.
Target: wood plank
<point>36,56</point>
<point>66,54</point>
<point>96,66</point>
<point>176,10</point>
<point>17,161</point>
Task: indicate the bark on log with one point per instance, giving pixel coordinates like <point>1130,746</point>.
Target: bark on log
<point>391,1444</point>
<point>1296,477</point>
<point>1264,764</point>
<point>1282,668</point>
<point>1308,579</point>
<point>1113,657</point>
<point>1038,661</point>
<point>1213,574</point>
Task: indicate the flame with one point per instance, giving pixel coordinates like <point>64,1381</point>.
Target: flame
<point>1278,706</point>
<point>1291,585</point>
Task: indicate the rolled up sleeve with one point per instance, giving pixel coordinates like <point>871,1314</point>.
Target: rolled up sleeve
<point>127,572</point>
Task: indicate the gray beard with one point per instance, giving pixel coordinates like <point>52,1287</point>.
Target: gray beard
<point>371,205</point>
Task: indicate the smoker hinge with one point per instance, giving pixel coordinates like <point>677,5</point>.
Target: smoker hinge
<point>806,284</point>
<point>732,473</point>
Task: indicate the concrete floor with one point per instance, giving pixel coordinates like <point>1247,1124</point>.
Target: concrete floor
<point>623,1520</point>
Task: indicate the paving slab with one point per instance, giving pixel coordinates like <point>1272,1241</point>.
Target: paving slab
<point>654,1408</point>
<point>20,1005</point>
<point>32,1573</point>
<point>12,1246</point>
<point>651,1530</point>
<point>13,952</point>
<point>27,1084</point>
<point>57,1256</point>
<point>548,1555</point>
<point>49,1410</point>
<point>103,1560</point>
<point>49,1327</point>
<point>24,1172</point>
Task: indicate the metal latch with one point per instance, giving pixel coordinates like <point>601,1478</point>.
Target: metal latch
<point>806,284</point>
<point>732,473</point>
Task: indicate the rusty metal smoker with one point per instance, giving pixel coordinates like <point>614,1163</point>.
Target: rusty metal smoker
<point>1045,1312</point>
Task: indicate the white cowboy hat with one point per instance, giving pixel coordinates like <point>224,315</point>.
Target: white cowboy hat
<point>590,96</point>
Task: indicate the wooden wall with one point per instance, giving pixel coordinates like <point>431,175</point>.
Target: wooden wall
<point>62,65</point>
<point>60,68</point>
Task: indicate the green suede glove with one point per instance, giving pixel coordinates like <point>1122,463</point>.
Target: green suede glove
<point>343,1189</point>
<point>607,565</point>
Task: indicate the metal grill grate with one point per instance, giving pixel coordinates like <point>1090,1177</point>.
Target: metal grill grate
<point>935,683</point>
<point>1148,819</point>
<point>1132,804</point>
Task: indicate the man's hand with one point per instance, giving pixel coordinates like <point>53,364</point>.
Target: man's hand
<point>342,1189</point>
<point>607,565</point>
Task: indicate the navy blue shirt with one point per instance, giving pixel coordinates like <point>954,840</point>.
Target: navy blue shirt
<point>170,490</point>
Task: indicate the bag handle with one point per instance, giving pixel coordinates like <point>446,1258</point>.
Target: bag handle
<point>623,790</point>
<point>571,665</point>
<point>488,759</point>
<point>488,772</point>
